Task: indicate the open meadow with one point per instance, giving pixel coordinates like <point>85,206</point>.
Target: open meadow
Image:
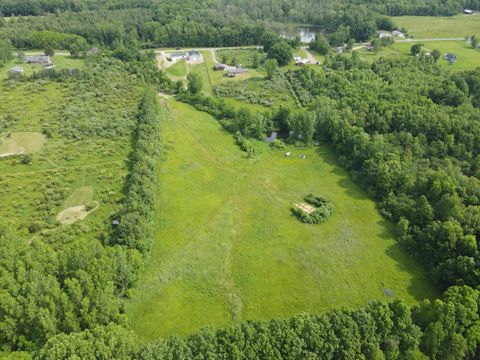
<point>428,27</point>
<point>227,247</point>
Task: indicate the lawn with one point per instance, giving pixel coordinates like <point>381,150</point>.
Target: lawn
<point>179,69</point>
<point>468,58</point>
<point>241,56</point>
<point>60,61</point>
<point>427,27</point>
<point>227,247</point>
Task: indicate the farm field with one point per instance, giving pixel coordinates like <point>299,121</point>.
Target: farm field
<point>428,27</point>
<point>227,247</point>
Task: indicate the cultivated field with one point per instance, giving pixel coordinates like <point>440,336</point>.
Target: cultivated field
<point>228,247</point>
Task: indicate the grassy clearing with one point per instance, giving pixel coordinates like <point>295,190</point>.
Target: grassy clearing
<point>468,58</point>
<point>243,57</point>
<point>228,248</point>
<point>179,69</point>
<point>427,27</point>
<point>21,143</point>
<point>60,61</point>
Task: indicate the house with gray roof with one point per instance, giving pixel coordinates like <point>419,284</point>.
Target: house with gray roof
<point>38,59</point>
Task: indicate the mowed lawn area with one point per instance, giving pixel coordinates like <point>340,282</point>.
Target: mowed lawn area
<point>467,57</point>
<point>428,27</point>
<point>228,248</point>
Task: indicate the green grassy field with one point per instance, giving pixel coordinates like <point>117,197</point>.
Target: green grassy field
<point>178,69</point>
<point>227,247</point>
<point>468,58</point>
<point>427,27</point>
<point>60,61</point>
<point>241,56</point>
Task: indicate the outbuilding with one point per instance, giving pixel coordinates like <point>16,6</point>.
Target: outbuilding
<point>219,67</point>
<point>38,59</point>
<point>235,72</point>
<point>451,58</point>
<point>16,70</point>
<point>468,11</point>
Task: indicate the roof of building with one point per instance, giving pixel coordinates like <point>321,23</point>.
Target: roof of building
<point>468,11</point>
<point>238,71</point>
<point>177,54</point>
<point>16,69</point>
<point>38,58</point>
<point>193,53</point>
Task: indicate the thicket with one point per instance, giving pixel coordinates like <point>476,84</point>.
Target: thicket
<point>323,210</point>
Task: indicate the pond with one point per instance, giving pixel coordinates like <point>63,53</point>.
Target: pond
<point>307,33</point>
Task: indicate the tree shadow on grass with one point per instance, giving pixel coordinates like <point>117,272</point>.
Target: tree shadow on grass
<point>420,284</point>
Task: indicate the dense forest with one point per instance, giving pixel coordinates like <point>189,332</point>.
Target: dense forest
<point>193,23</point>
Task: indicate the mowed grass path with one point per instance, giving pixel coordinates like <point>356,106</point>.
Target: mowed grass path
<point>227,247</point>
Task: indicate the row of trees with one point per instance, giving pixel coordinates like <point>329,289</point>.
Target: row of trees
<point>443,329</point>
<point>6,51</point>
<point>135,230</point>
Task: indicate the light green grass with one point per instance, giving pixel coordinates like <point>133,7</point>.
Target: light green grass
<point>227,247</point>
<point>60,61</point>
<point>179,69</point>
<point>21,143</point>
<point>468,58</point>
<point>427,27</point>
<point>80,196</point>
<point>243,56</point>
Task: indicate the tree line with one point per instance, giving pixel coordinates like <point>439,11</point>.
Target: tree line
<point>445,328</point>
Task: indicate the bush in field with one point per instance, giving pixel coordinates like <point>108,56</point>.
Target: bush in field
<point>323,210</point>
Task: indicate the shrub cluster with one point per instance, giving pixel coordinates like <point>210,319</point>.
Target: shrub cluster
<point>323,210</point>
<point>244,144</point>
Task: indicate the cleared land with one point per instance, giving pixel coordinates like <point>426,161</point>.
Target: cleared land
<point>426,27</point>
<point>60,61</point>
<point>468,58</point>
<point>228,248</point>
<point>21,143</point>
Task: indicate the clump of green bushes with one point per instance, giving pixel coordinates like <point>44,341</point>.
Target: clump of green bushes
<point>323,210</point>
<point>244,144</point>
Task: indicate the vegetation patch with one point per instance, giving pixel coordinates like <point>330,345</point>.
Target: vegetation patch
<point>315,209</point>
<point>21,143</point>
<point>73,214</point>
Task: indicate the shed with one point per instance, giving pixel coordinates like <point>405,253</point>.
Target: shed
<point>451,58</point>
<point>219,67</point>
<point>468,11</point>
<point>340,49</point>
<point>116,222</point>
<point>16,70</point>
<point>236,72</point>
